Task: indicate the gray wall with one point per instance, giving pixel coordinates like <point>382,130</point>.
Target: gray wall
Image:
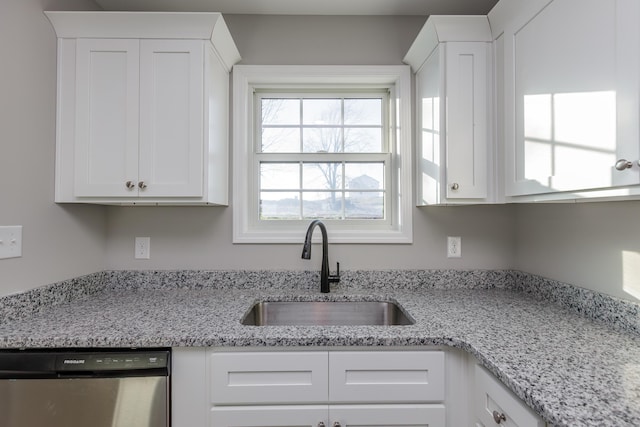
<point>59,242</point>
<point>201,237</point>
<point>591,245</point>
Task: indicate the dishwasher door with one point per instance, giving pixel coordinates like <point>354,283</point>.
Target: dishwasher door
<point>85,388</point>
<point>85,402</point>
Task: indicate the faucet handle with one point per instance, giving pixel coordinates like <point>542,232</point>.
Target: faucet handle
<point>336,278</point>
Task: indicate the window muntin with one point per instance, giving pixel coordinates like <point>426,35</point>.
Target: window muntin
<point>323,156</point>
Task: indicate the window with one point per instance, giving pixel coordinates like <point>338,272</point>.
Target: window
<point>330,143</point>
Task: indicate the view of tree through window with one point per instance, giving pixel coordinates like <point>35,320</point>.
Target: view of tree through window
<point>322,157</point>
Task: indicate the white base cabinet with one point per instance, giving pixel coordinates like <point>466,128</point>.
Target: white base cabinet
<point>219,387</point>
<point>350,388</point>
<point>142,113</point>
<point>496,405</point>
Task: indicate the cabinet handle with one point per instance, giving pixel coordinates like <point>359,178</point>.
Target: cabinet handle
<point>129,184</point>
<point>455,186</point>
<point>623,164</point>
<point>499,417</point>
<point>142,185</point>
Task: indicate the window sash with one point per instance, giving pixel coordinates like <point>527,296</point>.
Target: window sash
<point>383,156</point>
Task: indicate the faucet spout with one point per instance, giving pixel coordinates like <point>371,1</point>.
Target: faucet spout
<point>325,277</point>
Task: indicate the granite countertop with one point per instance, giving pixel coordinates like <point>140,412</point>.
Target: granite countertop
<point>571,369</point>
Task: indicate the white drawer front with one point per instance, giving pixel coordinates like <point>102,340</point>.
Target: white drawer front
<point>262,378</point>
<point>386,377</point>
<point>491,395</point>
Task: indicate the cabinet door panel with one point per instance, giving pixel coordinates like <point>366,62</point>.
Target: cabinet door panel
<point>269,416</point>
<point>106,142</point>
<point>171,117</point>
<point>567,95</point>
<point>261,378</point>
<point>388,415</point>
<point>402,376</point>
<point>467,119</point>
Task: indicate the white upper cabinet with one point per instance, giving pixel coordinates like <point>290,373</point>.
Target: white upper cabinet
<point>569,111</point>
<point>452,60</point>
<point>142,107</point>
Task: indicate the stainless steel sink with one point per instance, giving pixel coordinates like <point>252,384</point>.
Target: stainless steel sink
<point>310,313</point>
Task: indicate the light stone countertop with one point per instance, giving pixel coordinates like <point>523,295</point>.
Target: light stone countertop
<point>572,370</point>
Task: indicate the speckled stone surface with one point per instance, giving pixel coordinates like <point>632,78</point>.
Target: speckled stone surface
<point>544,345</point>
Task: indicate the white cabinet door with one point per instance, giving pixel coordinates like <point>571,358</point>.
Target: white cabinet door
<point>494,404</point>
<point>107,94</point>
<point>269,416</point>
<point>571,97</point>
<point>171,118</point>
<point>387,415</point>
<point>467,108</point>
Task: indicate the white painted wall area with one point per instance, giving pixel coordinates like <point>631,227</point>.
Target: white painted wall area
<point>59,242</point>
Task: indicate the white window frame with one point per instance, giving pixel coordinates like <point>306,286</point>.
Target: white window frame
<point>247,78</point>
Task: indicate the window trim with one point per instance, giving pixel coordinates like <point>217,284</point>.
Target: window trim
<point>247,77</point>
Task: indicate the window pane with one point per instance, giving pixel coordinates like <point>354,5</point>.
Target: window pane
<point>325,204</point>
<point>324,140</point>
<point>279,205</point>
<point>279,176</point>
<point>279,111</point>
<point>364,176</point>
<point>364,205</point>
<point>280,140</point>
<point>363,112</point>
<point>322,111</point>
<point>359,140</point>
<point>320,176</point>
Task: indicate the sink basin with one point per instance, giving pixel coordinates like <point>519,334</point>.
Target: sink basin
<point>310,313</point>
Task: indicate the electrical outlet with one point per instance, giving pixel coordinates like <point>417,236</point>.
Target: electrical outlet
<point>143,247</point>
<point>454,247</point>
<point>11,241</point>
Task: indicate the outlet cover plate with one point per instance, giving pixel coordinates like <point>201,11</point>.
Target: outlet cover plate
<point>454,247</point>
<point>11,241</point>
<point>143,247</point>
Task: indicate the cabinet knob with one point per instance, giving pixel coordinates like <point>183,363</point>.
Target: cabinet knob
<point>142,185</point>
<point>455,186</point>
<point>336,424</point>
<point>129,184</point>
<point>623,164</point>
<point>321,424</point>
<point>499,417</point>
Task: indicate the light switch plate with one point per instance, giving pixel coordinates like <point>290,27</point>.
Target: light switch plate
<point>11,241</point>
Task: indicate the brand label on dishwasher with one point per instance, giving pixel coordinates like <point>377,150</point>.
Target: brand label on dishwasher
<point>110,361</point>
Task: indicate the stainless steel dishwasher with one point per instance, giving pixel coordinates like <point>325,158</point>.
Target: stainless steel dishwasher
<point>71,388</point>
